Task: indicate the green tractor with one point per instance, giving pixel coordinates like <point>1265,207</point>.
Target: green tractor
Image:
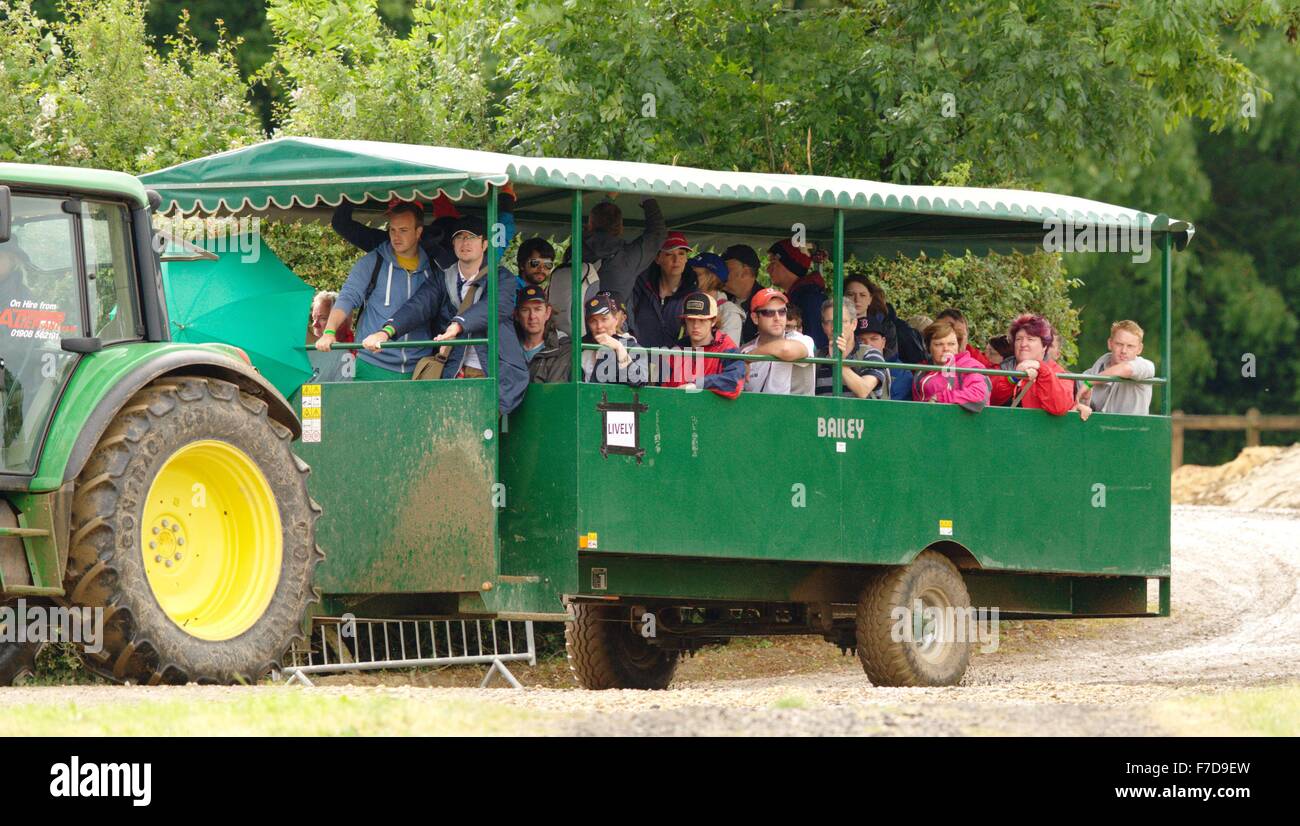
<point>149,481</point>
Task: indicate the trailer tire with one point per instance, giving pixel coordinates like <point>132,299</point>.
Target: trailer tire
<point>193,530</point>
<point>17,659</point>
<point>605,651</point>
<point>936,582</point>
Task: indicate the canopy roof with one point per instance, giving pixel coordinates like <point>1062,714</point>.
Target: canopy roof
<point>301,178</point>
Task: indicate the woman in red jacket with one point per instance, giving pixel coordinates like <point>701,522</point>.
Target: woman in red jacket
<point>1031,336</point>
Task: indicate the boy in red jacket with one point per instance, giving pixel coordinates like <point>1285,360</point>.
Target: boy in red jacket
<point>692,371</point>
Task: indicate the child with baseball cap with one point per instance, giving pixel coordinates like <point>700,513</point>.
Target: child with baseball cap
<point>612,364</point>
<point>692,371</point>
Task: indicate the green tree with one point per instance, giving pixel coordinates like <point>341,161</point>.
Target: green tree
<point>91,89</point>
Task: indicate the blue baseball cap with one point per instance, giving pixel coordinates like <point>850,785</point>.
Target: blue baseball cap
<point>712,262</point>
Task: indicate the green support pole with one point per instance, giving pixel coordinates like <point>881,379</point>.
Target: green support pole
<point>1166,325</point>
<point>838,292</point>
<point>493,260</point>
<point>575,304</point>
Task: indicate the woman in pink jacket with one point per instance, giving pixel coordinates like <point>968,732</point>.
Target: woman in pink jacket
<point>971,390</point>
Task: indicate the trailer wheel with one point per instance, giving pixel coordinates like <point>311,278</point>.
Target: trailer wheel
<point>605,651</point>
<point>193,530</point>
<point>17,660</point>
<point>928,660</point>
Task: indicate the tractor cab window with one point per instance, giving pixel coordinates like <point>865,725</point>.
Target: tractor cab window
<point>40,304</point>
<point>110,271</point>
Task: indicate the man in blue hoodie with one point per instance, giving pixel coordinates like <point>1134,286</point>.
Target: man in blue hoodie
<point>383,280</point>
<point>453,302</point>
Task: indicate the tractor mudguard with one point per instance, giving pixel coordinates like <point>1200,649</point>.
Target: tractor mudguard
<point>104,381</point>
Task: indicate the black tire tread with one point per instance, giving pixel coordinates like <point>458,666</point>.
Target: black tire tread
<point>593,644</point>
<point>102,522</point>
<point>886,662</point>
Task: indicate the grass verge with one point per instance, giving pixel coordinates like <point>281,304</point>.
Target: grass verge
<point>273,711</point>
<point>1273,711</point>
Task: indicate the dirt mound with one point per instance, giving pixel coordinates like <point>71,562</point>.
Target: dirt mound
<point>1260,477</point>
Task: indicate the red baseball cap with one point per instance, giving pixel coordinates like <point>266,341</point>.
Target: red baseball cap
<point>675,241</point>
<point>763,296</point>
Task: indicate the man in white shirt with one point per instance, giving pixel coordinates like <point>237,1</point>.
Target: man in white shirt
<point>767,309</point>
<point>1124,360</point>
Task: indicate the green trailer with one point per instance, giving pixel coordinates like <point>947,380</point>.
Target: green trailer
<point>698,529</point>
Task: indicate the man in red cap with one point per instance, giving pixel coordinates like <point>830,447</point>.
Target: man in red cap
<point>768,311</point>
<point>790,270</point>
<point>660,292</point>
<point>692,371</point>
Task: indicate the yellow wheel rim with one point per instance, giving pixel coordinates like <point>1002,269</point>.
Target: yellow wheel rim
<point>211,540</point>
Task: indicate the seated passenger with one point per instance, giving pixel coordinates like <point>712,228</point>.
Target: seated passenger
<point>789,268</point>
<point>958,320</point>
<point>436,239</point>
<point>710,275</point>
<point>768,312</point>
<point>547,351</point>
<point>742,283</point>
<point>455,300</point>
<point>793,320</point>
<point>659,293</point>
<point>383,280</point>
<point>1124,360</point>
<point>998,351</point>
<point>858,382</point>
<point>967,389</point>
<point>693,371</point>
<point>612,364</point>
<point>872,333</point>
<point>536,259</point>
<point>321,305</point>
<point>1031,336</point>
<point>869,301</point>
<point>609,263</point>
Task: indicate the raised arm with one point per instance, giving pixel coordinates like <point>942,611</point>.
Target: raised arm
<point>619,273</point>
<point>353,231</point>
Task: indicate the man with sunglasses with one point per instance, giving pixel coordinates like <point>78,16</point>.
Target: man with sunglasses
<point>767,309</point>
<point>536,260</point>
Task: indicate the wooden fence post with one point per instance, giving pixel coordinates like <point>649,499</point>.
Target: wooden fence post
<point>1177,454</point>
<point>1252,427</point>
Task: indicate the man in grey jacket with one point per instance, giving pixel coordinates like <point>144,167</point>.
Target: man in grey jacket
<point>1125,361</point>
<point>383,280</point>
<point>456,299</point>
<point>609,263</point>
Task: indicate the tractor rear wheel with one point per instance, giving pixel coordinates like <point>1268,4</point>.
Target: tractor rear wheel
<point>605,650</point>
<point>901,646</point>
<point>193,530</point>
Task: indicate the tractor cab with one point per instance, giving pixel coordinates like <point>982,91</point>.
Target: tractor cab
<point>68,285</point>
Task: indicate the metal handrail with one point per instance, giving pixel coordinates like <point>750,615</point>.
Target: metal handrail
<point>880,365</point>
<point>399,345</point>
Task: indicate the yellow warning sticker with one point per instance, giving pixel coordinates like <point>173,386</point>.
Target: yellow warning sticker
<point>587,540</point>
<point>311,389</point>
<point>945,527</point>
<point>311,412</point>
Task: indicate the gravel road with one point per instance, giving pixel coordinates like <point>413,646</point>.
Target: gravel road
<point>1235,624</point>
